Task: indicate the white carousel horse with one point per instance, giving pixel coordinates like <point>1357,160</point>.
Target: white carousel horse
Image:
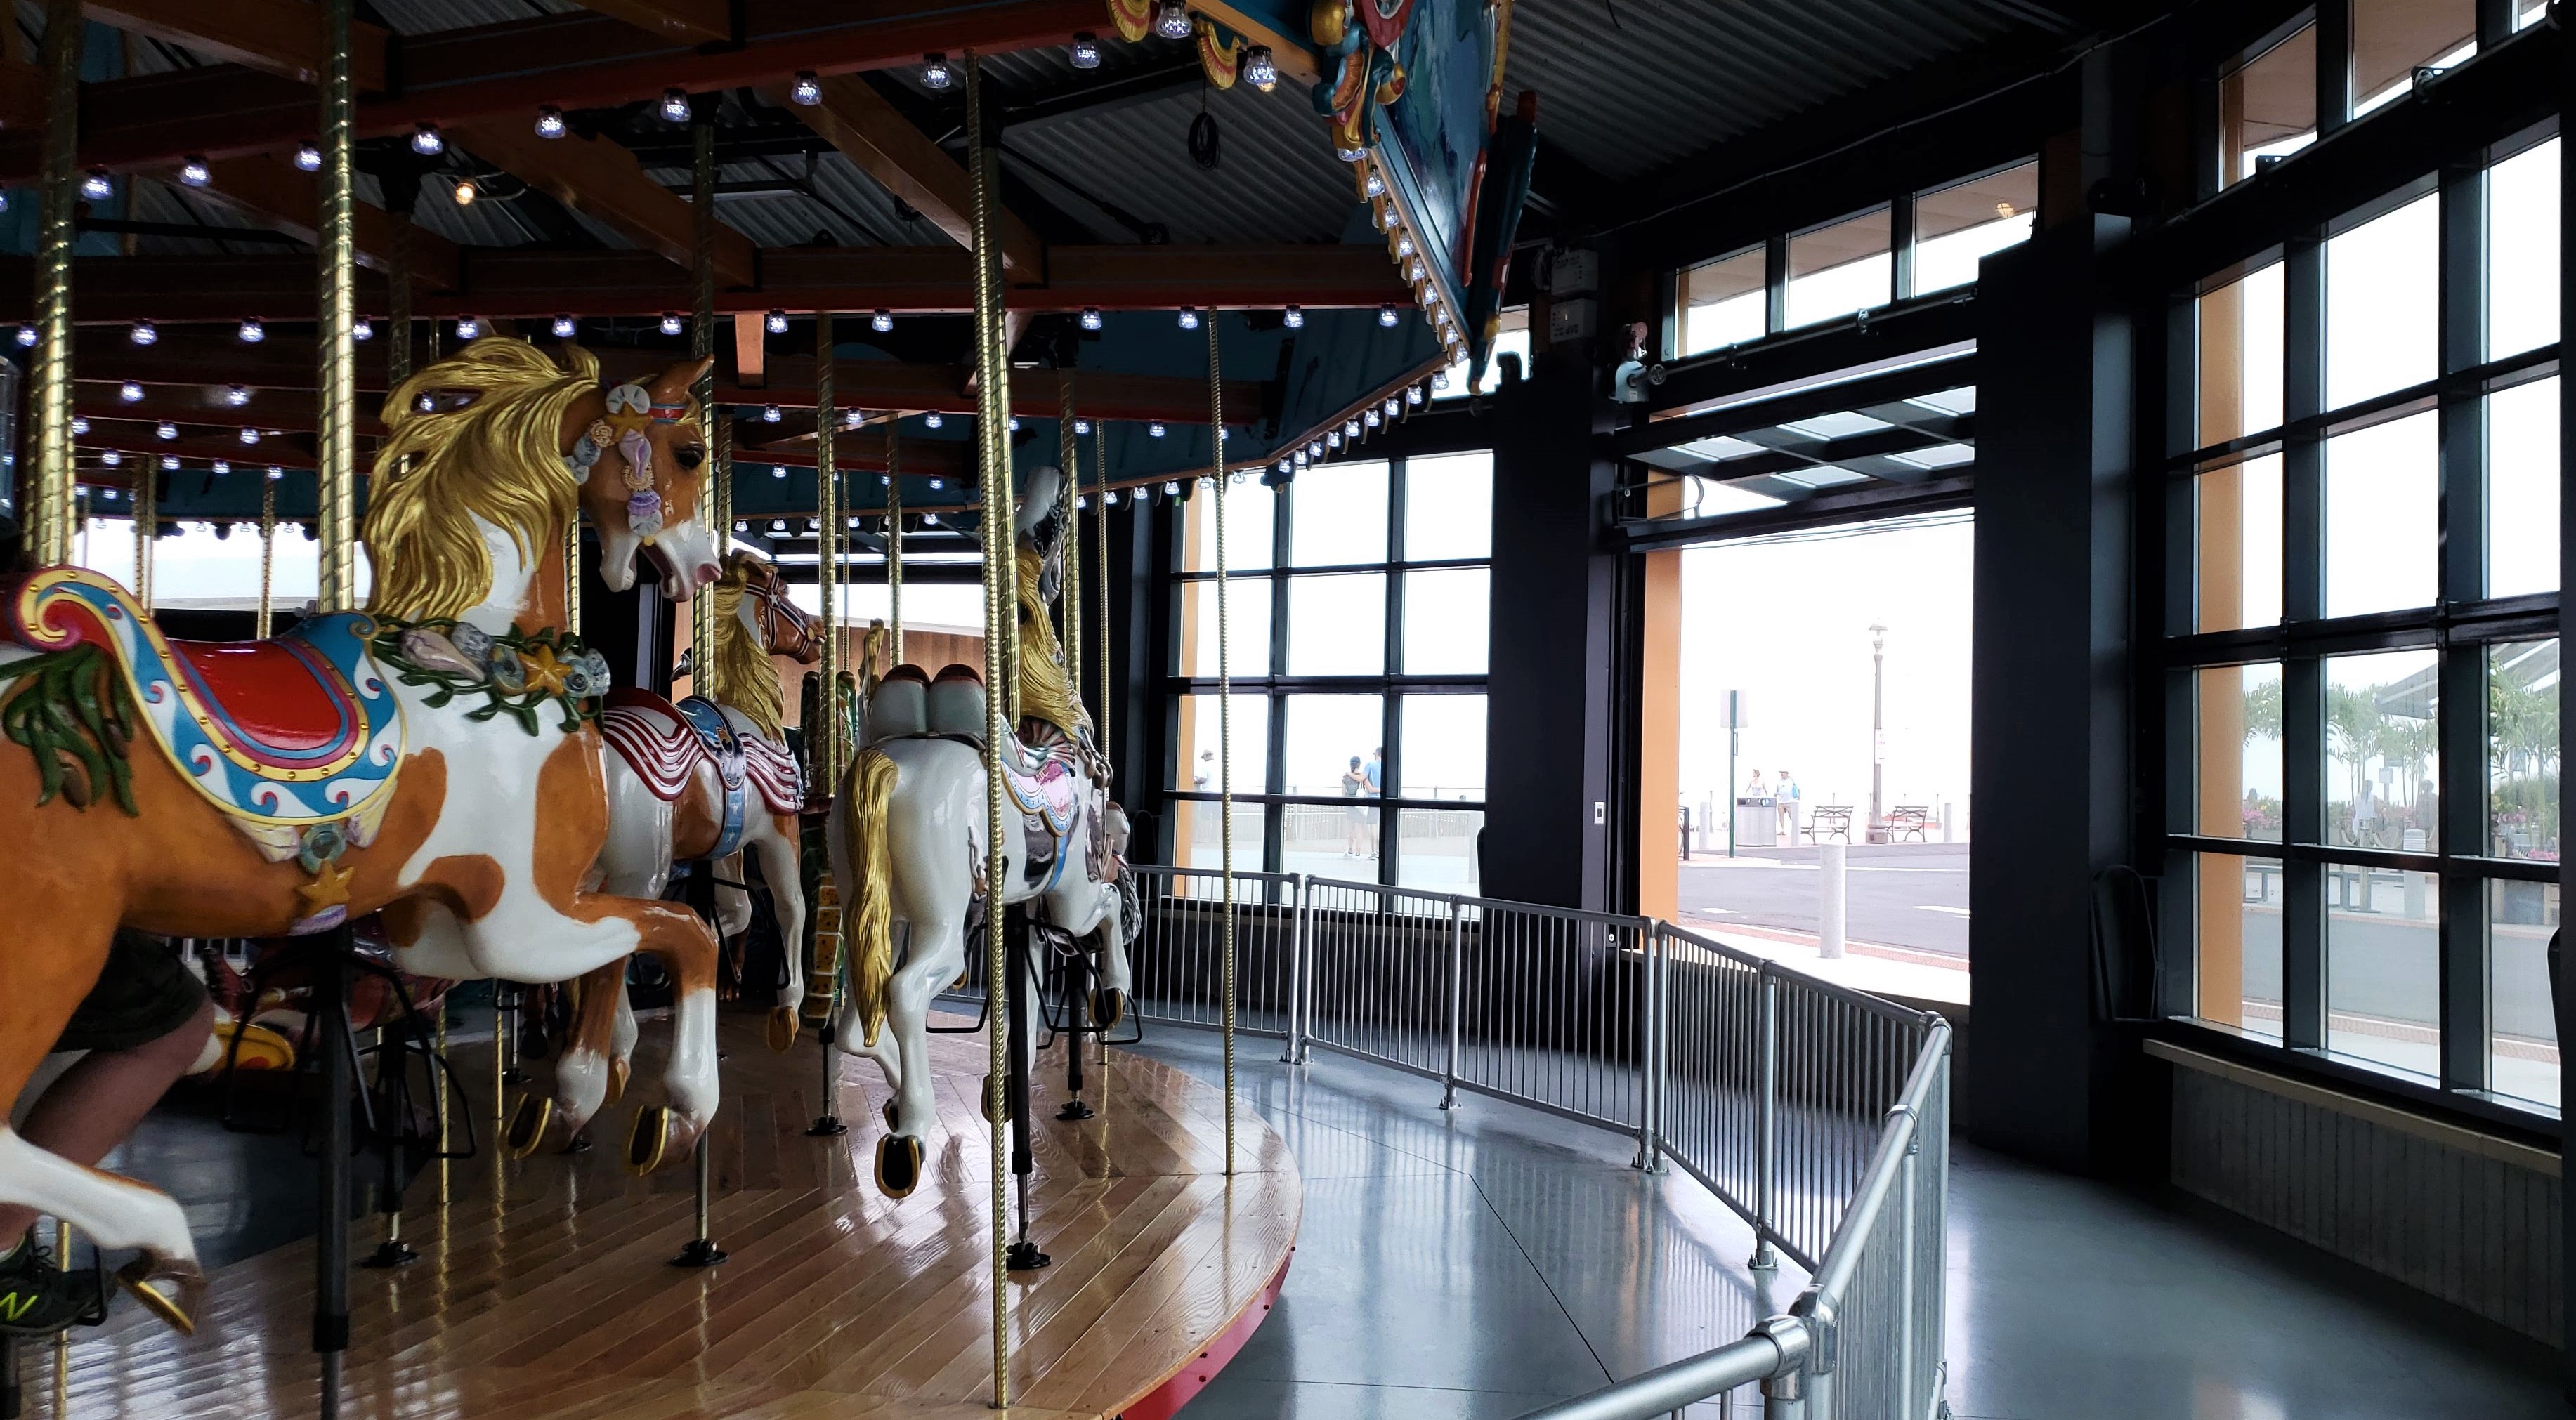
<point>908,853</point>
<point>434,758</point>
<point>702,781</point>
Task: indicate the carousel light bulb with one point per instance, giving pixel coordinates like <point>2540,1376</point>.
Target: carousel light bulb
<point>129,391</point>
<point>223,466</point>
<point>675,105</point>
<point>26,335</point>
<point>775,322</point>
<point>1440,379</point>
<point>778,525</point>
<point>1085,51</point>
<point>550,121</point>
<point>1294,317</point>
<point>1404,244</point>
<point>1015,423</point>
<point>1392,218</point>
<point>808,90</point>
<point>740,526</point>
<point>111,458</point>
<point>1314,448</point>
<point>1172,19</point>
<point>813,525</point>
<point>165,430</point>
<point>1391,406</point>
<point>362,329</point>
<point>1431,300</point>
<point>1386,315</point>
<point>1155,428</point>
<point>1287,466</point>
<point>425,140</point>
<point>465,192</point>
<point>1350,428</point>
<point>424,404</point>
<point>1082,426</point>
<point>1369,417</point>
<point>1081,501</point>
<point>564,327</point>
<point>97,186</point>
<point>79,425</point>
<point>308,156</point>
<point>468,328</point>
<point>882,321</point>
<point>932,420</point>
<point>1091,318</point>
<point>1413,270</point>
<point>778,470</point>
<point>275,473</point>
<point>1351,155</point>
<point>935,73</point>
<point>1333,439</point>
<point>885,480</point>
<point>671,323</point>
<point>930,518</point>
<point>853,419</point>
<point>938,485</point>
<point>252,331</point>
<point>194,171</point>
<point>1171,489</point>
<point>170,461</point>
<point>770,414</point>
<point>249,435</point>
<point>1260,68</point>
<point>1376,186</point>
<point>142,333</point>
<point>1299,458</point>
<point>853,525</point>
<point>1413,394</point>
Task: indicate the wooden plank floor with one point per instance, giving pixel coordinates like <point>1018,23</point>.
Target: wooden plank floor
<point>549,1297</point>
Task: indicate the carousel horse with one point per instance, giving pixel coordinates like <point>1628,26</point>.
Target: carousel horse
<point>907,844</point>
<point>434,759</point>
<point>701,781</point>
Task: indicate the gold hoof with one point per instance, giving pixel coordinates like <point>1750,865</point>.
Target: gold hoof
<point>618,1073</point>
<point>898,1165</point>
<point>1108,1007</point>
<point>647,1142</point>
<point>782,1028</point>
<point>528,1121</point>
<point>177,1307</point>
<point>984,1103</point>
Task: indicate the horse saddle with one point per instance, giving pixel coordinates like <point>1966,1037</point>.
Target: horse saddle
<point>665,743</point>
<point>281,735</point>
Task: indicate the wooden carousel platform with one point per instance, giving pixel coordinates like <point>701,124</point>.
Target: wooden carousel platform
<point>551,1297</point>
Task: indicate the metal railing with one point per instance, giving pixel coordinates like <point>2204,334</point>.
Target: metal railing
<point>1819,1114</point>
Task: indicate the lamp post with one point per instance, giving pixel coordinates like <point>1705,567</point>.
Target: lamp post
<point>1877,724</point>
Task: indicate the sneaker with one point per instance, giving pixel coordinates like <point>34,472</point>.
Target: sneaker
<point>39,1299</point>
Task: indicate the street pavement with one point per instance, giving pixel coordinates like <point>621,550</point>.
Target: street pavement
<point>1911,895</point>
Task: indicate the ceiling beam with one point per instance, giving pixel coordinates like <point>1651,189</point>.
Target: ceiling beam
<point>603,181</point>
<point>284,198</point>
<point>873,134</point>
<point>687,21</point>
<point>883,384</point>
<point>503,72</point>
<point>282,37</point>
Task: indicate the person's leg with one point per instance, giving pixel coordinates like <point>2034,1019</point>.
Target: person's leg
<point>92,1107</point>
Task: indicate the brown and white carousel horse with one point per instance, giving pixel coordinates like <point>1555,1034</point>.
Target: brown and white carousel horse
<point>435,758</point>
<point>700,781</point>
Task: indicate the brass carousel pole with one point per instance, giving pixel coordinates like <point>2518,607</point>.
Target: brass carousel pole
<point>993,466</point>
<point>1070,455</point>
<point>702,343</point>
<point>1100,556</point>
<point>1224,725</point>
<point>894,540</point>
<point>48,510</point>
<point>827,550</point>
<point>267,557</point>
<point>147,520</point>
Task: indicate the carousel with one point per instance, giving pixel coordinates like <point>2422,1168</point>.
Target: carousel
<point>686,1003</point>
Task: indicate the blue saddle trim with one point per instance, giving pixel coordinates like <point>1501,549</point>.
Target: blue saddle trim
<point>716,733</point>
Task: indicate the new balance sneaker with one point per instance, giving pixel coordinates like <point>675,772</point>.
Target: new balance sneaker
<point>39,1299</point>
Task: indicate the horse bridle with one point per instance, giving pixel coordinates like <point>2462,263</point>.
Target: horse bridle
<point>783,629</point>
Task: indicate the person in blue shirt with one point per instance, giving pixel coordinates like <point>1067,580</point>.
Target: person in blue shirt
<point>1786,794</point>
<point>1375,774</point>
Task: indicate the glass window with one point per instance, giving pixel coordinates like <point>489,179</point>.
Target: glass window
<point>2391,37</point>
<point>2237,520</point>
<point>2522,751</point>
<point>2383,519</point>
<point>1449,507</point>
<point>1195,844</point>
<point>1438,851</point>
<point>1957,225</point>
<point>1444,747</point>
<point>2383,304</point>
<point>2382,752</point>
<point>2522,1030</point>
<point>1331,742</point>
<point>1724,302</point>
<point>2241,328</point>
<point>1337,624</point>
<point>2267,106</point>
<point>1445,619</point>
<point>1247,624</point>
<point>1511,338</point>
<point>1836,270</point>
<point>2522,489</point>
<point>1338,515</point>
<point>2383,967</point>
<point>2522,251</point>
<point>1249,508</point>
<point>2238,904</point>
<point>1195,740</point>
<point>2239,742</point>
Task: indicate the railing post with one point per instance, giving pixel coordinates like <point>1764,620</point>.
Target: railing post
<point>1298,968</point>
<point>1651,1050</point>
<point>1905,1283</point>
<point>1766,1052</point>
<point>1457,993</point>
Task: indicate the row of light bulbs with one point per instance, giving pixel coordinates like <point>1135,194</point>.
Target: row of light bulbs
<point>113,458</point>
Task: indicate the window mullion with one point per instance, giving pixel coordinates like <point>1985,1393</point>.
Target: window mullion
<point>2334,65</point>
<point>2303,917</point>
<point>2464,990</point>
<point>1390,719</point>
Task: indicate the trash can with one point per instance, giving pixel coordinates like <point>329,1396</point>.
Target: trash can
<point>1757,821</point>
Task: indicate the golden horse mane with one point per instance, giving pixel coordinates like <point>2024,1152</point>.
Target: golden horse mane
<point>739,671</point>
<point>495,456</point>
<point>1045,690</point>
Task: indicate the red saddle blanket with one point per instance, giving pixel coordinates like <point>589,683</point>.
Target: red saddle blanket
<point>275,695</point>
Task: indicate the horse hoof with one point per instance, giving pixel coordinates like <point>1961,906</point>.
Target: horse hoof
<point>782,1028</point>
<point>618,1072</point>
<point>898,1165</point>
<point>528,1121</point>
<point>984,1103</point>
<point>891,1126</point>
<point>649,1140</point>
<point>1108,1007</point>
<point>178,1306</point>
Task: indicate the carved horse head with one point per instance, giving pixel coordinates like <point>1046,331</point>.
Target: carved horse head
<point>642,488</point>
<point>777,625</point>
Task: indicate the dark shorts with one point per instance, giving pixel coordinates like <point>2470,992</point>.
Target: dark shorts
<point>143,993</point>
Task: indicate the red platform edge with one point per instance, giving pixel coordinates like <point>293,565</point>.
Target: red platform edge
<point>1166,1400</point>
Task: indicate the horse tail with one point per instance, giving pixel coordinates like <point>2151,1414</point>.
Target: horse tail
<point>869,929</point>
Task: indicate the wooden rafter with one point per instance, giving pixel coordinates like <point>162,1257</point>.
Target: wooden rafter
<point>286,199</point>
<point>854,118</point>
<point>282,37</point>
<point>688,21</point>
<point>602,180</point>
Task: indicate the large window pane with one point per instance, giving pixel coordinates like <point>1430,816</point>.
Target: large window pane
<point>1444,747</point>
<point>2241,330</point>
<point>1195,762</point>
<point>2522,251</point>
<point>2522,751</point>
<point>2383,967</point>
<point>1836,270</point>
<point>1339,515</point>
<point>2383,304</point>
<point>1438,852</point>
<point>2237,521</point>
<point>2522,1031</point>
<point>1331,750</point>
<point>2267,106</point>
<point>1337,624</point>
<point>2522,489</point>
<point>2383,517</point>
<point>1956,226</point>
<point>1449,507</point>
<point>1512,339</point>
<point>2391,37</point>
<point>1445,617</point>
<point>1195,844</point>
<point>1724,302</point>
<point>1247,625</point>
<point>2239,940</point>
<point>2239,743</point>
<point>2382,754</point>
<point>1249,508</point>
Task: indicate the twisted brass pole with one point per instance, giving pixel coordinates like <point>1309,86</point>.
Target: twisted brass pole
<point>48,507</point>
<point>827,547</point>
<point>147,518</point>
<point>1100,554</point>
<point>1069,453</point>
<point>398,302</point>
<point>1224,724</point>
<point>336,244</point>
<point>894,538</point>
<point>702,343</point>
<point>267,555</point>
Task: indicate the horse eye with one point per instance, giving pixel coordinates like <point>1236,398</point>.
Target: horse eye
<point>689,455</point>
